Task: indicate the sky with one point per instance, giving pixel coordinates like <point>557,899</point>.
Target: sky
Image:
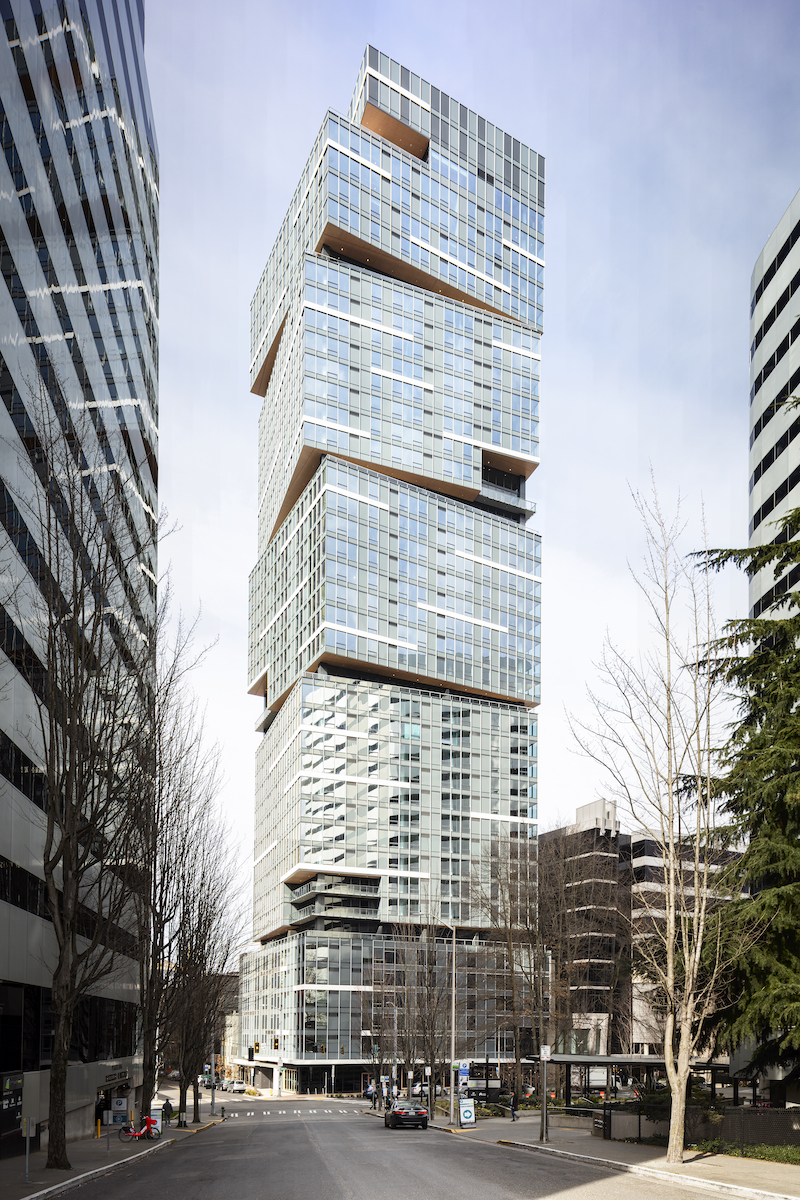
<point>672,142</point>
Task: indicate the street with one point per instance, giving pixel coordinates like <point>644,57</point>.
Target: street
<point>335,1150</point>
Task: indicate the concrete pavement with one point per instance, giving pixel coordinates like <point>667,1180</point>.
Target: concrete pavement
<point>718,1172</point>
<point>87,1156</point>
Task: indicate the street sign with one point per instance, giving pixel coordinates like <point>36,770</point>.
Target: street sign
<point>463,1071</point>
<point>427,1070</point>
<point>544,1054</point>
<point>466,1113</point>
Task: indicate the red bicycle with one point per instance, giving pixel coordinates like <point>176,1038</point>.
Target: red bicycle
<point>149,1130</point>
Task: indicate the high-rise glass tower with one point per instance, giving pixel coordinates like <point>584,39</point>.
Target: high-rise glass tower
<point>78,359</point>
<point>774,380</point>
<point>394,606</point>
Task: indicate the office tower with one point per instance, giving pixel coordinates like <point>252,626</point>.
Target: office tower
<point>78,379</point>
<point>584,916</point>
<point>774,380</point>
<point>394,606</point>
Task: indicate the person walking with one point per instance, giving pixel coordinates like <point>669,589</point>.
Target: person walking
<point>513,1106</point>
<point>167,1111</point>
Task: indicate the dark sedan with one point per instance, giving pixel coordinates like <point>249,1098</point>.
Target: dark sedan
<point>406,1112</point>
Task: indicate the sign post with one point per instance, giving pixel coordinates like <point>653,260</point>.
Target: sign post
<point>26,1133</point>
<point>544,1058</point>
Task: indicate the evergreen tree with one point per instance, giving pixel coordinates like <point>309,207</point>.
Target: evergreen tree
<point>760,658</point>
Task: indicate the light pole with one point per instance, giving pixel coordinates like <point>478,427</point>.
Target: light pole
<point>452,1028</point>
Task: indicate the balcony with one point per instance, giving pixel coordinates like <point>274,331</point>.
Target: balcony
<point>508,502</point>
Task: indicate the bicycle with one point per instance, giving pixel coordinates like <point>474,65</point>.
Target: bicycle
<point>149,1130</point>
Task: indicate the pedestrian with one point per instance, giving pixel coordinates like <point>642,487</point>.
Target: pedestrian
<point>167,1111</point>
<point>514,1106</point>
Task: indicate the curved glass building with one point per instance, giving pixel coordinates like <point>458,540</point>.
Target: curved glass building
<point>774,382</point>
<point>395,603</point>
<point>78,361</point>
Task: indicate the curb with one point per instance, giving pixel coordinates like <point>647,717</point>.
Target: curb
<point>200,1128</point>
<point>708,1185</point>
<point>59,1188</point>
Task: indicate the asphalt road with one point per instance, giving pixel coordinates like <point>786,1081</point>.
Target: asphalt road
<point>337,1152</point>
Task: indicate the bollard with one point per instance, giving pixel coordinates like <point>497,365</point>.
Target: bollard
<point>98,1128</point>
<point>222,1112</point>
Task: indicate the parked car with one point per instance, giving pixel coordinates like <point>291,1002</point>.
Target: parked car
<point>406,1112</point>
<point>237,1085</point>
<point>421,1089</point>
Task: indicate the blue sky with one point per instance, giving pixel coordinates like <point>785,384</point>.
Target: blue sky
<point>672,142</point>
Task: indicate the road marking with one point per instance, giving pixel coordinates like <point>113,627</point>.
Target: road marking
<point>266,1114</point>
<point>281,1112</point>
<point>327,1110</point>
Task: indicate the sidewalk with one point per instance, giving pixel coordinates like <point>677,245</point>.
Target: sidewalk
<point>88,1154</point>
<point>719,1172</point>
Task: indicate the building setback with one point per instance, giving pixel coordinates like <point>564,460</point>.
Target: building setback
<point>394,606</point>
<point>78,315</point>
<point>774,380</point>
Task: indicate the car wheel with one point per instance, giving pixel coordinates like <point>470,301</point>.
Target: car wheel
<point>425,1124</point>
<point>386,1122</point>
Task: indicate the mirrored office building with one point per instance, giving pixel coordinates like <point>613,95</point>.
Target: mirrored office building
<point>395,601</point>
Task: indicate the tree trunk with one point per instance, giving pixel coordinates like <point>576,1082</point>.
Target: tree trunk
<point>148,1070</point>
<point>183,1089</point>
<point>57,1117</point>
<point>517,1064</point>
<point>196,1099</point>
<point>677,1122</point>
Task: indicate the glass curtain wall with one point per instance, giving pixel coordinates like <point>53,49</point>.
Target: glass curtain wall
<point>395,601</point>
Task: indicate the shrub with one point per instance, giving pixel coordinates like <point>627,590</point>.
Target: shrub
<point>781,1154</point>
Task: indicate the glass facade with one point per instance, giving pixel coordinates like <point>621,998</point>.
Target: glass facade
<point>79,361</point>
<point>395,602</point>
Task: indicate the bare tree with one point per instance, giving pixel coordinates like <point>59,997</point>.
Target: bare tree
<point>203,938</point>
<point>379,1013</point>
<point>178,783</point>
<point>508,901</point>
<point>654,735</point>
<point>82,617</point>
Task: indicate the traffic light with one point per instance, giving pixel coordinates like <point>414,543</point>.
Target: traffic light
<point>256,1047</point>
<point>275,1043</point>
<point>250,1053</point>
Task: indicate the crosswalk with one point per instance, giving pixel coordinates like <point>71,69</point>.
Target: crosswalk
<point>296,1112</point>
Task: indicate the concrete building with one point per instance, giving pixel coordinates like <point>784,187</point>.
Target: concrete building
<point>774,380</point>
<point>585,915</point>
<point>78,315</point>
<point>394,613</point>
